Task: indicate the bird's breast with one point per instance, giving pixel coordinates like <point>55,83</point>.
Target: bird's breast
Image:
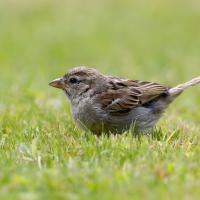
<point>87,114</point>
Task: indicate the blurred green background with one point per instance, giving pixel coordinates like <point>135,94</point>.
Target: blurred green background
<point>40,40</point>
<point>148,40</point>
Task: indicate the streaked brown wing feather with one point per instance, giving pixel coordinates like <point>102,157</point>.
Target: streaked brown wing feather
<point>123,95</point>
<point>150,90</point>
<point>120,100</point>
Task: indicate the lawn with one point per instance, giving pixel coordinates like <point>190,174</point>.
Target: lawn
<point>42,154</point>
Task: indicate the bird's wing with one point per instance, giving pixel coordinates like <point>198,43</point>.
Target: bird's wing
<point>123,95</point>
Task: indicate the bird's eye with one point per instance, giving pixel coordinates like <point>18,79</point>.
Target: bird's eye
<point>73,80</point>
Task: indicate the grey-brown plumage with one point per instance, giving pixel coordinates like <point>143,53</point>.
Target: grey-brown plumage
<point>101,103</point>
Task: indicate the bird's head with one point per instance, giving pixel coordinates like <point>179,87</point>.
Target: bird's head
<point>77,82</point>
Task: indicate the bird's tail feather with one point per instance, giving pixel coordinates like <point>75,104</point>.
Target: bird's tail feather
<point>179,88</point>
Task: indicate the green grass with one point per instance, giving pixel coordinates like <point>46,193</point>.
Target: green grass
<point>42,154</point>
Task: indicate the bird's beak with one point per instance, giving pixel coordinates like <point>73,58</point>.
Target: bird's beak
<point>58,83</point>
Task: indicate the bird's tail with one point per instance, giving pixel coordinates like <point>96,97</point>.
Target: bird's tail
<point>179,88</point>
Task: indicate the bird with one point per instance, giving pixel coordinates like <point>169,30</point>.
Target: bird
<point>107,104</point>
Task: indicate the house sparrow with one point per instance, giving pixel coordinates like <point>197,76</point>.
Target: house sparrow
<point>109,104</point>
